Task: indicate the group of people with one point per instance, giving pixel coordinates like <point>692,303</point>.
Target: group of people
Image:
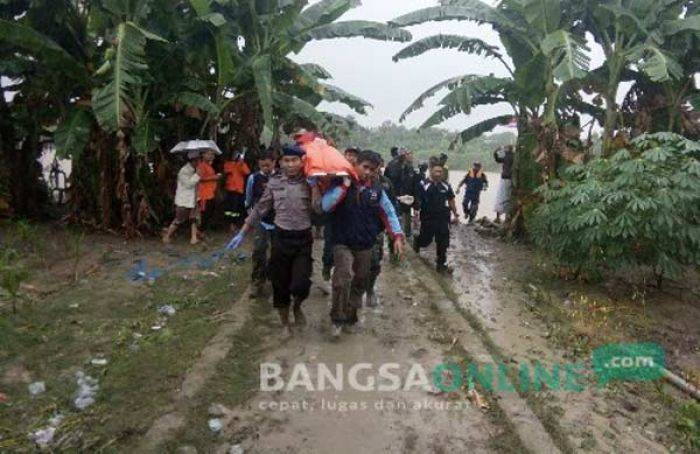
<point>197,186</point>
<point>357,212</point>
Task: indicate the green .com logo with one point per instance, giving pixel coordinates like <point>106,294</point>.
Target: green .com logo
<point>612,362</point>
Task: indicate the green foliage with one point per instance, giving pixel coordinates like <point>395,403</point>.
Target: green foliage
<point>125,66</point>
<point>688,424</point>
<point>429,142</point>
<point>12,274</point>
<point>640,208</point>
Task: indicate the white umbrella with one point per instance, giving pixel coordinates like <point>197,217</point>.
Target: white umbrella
<point>196,145</point>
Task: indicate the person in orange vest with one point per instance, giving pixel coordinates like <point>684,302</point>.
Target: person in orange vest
<point>236,171</point>
<point>475,182</point>
<point>206,191</point>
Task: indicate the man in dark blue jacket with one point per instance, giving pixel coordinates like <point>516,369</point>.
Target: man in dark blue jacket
<point>255,188</point>
<point>475,182</point>
<point>361,210</point>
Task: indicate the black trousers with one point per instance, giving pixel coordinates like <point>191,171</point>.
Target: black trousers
<point>260,248</point>
<point>470,205</point>
<point>235,207</point>
<point>439,231</point>
<point>290,266</point>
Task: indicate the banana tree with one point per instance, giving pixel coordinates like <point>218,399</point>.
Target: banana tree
<point>657,37</point>
<point>545,56</point>
<point>285,90</point>
<point>544,51</point>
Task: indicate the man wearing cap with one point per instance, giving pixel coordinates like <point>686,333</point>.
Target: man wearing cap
<point>475,182</point>
<point>361,210</point>
<point>289,195</point>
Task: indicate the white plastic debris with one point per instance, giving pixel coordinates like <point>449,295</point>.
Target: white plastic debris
<point>167,310</point>
<point>43,437</point>
<point>215,425</point>
<point>156,328</point>
<point>236,449</point>
<point>37,388</point>
<point>87,389</point>
<point>99,362</point>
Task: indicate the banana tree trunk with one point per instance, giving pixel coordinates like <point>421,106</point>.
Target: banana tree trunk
<point>526,177</point>
<point>7,143</point>
<point>25,173</point>
<point>124,188</point>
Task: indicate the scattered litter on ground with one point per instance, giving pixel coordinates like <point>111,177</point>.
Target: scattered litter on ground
<point>433,391</point>
<point>156,328</point>
<point>74,306</point>
<point>99,361</point>
<point>141,273</point>
<point>477,399</point>
<point>87,389</point>
<point>44,437</point>
<point>215,425</point>
<point>3,398</point>
<point>218,410</point>
<point>167,310</point>
<point>36,388</point>
<point>236,449</point>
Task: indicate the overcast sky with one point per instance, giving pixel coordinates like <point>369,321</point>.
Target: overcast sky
<point>364,67</point>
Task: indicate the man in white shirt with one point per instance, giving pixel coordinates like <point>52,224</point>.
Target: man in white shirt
<point>186,198</point>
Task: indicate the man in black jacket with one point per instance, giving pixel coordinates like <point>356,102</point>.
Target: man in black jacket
<point>437,201</point>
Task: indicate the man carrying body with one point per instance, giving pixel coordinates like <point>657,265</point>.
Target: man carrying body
<point>437,200</point>
<point>289,195</point>
<point>378,249</point>
<point>475,182</point>
<point>361,209</point>
<point>263,231</point>
<point>351,155</point>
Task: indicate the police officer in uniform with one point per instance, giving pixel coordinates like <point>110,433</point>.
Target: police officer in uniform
<point>437,201</point>
<point>289,195</point>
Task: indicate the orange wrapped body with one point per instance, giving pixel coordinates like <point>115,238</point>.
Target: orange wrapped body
<point>323,160</point>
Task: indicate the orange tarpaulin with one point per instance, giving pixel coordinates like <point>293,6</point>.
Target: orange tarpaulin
<point>323,160</point>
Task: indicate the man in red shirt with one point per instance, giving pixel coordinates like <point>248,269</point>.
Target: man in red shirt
<point>236,171</point>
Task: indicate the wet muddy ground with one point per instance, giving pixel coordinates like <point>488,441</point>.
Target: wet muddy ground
<point>194,384</point>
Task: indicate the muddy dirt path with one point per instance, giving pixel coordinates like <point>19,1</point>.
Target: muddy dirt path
<point>477,315</point>
<point>403,330</point>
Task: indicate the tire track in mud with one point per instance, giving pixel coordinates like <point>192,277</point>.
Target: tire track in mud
<point>488,302</point>
<point>528,427</point>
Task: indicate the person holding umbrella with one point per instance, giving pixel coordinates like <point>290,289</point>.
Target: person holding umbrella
<point>186,198</point>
